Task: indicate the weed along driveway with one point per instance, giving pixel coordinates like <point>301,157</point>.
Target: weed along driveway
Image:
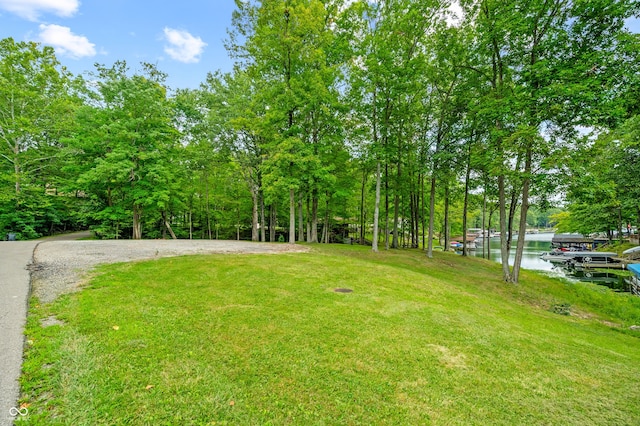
<point>57,266</point>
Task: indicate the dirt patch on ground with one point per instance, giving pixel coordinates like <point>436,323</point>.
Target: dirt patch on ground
<point>58,267</point>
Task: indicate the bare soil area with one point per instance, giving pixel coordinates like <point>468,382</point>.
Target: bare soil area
<point>59,266</point>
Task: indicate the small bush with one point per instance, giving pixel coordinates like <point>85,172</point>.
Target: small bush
<point>561,309</point>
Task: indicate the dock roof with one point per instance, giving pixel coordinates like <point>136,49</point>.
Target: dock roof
<point>634,267</point>
<point>571,238</point>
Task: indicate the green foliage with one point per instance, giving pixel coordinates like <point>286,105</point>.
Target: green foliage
<point>125,149</point>
<point>36,107</point>
<point>602,191</point>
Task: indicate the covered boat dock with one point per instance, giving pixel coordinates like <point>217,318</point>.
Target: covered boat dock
<point>634,268</point>
<point>576,242</point>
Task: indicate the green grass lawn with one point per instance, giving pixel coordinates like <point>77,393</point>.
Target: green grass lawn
<point>264,339</point>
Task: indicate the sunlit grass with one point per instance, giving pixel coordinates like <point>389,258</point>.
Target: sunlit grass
<point>264,339</point>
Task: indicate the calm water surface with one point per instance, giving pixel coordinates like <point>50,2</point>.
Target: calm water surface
<point>535,245</point>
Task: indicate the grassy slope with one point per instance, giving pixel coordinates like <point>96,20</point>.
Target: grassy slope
<point>263,339</point>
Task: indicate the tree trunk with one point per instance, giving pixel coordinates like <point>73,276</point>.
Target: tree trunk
<point>292,216</point>
<point>208,204</point>
<point>415,243</point>
<point>513,207</point>
<point>376,211</point>
<point>308,203</point>
<point>238,224</point>
<point>273,218</point>
<point>522,229</point>
<point>362,188</point>
<point>254,215</point>
<point>396,210</point>
<point>504,246</point>
<point>300,219</point>
<point>432,209</point>
<point>137,222</point>
<point>165,218</point>
<point>263,236</point>
<point>485,229</point>
<point>465,209</point>
<point>327,226</point>
<point>413,214</point>
<point>396,218</point>
<point>488,235</point>
<point>423,215</point>
<point>386,205</point>
<point>17,176</point>
<point>376,207</point>
<point>447,231</point>
<point>314,216</point>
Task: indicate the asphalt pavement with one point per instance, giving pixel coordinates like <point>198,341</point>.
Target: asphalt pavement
<point>15,280</point>
<point>15,256</point>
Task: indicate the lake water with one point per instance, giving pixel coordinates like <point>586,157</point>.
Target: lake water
<point>535,245</point>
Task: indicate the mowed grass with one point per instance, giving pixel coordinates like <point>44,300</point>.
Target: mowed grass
<point>265,339</point>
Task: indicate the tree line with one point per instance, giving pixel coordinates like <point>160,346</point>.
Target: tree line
<point>395,117</point>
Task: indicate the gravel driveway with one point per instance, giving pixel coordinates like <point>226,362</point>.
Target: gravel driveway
<point>59,266</point>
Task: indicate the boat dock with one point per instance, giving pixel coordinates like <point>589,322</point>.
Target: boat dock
<point>599,265</point>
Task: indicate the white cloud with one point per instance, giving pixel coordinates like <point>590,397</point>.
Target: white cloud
<point>32,9</point>
<point>65,42</point>
<point>183,46</point>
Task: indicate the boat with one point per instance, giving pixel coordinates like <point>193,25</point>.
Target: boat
<point>575,242</point>
<point>455,245</point>
<point>556,256</point>
<point>581,258</point>
<point>632,254</point>
<point>594,259</point>
<point>475,232</point>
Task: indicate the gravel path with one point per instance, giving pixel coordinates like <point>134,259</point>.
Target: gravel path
<point>59,266</point>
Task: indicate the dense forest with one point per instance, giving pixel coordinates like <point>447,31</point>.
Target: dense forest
<point>392,119</point>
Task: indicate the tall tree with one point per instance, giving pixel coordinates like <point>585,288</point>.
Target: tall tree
<point>541,60</point>
<point>37,104</point>
<point>236,120</point>
<point>286,44</point>
<point>128,145</point>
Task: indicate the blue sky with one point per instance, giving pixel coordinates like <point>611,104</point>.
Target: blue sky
<point>183,38</point>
